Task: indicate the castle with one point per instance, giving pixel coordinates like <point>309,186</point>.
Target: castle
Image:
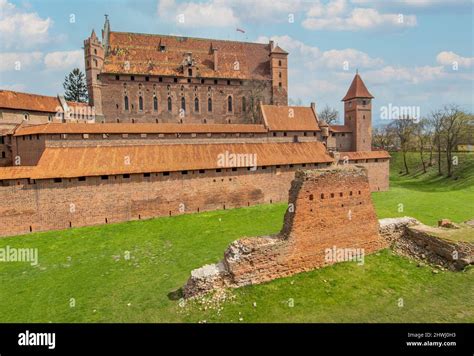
<point>181,125</point>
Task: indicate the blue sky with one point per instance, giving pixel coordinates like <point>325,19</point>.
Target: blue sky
<point>415,53</point>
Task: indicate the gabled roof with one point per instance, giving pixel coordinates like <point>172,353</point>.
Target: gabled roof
<point>138,128</point>
<point>289,118</point>
<point>32,102</point>
<point>55,162</point>
<point>357,89</point>
<point>143,54</point>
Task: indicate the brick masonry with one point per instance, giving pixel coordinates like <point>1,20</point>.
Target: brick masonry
<point>329,210</point>
<point>47,205</point>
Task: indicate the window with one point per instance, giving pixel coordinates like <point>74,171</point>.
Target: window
<point>81,179</point>
<point>244,104</point>
<point>147,79</point>
<point>279,63</point>
<point>146,175</point>
<point>95,62</point>
<point>190,72</point>
<point>196,104</point>
<point>2,140</point>
<point>125,102</point>
<point>117,77</point>
<point>229,104</point>
<point>95,51</point>
<point>140,103</point>
<point>183,103</point>
<point>279,74</point>
<point>170,106</point>
<point>132,77</point>
<point>209,105</point>
<point>228,82</point>
<point>104,177</point>
<point>126,176</point>
<point>26,116</point>
<point>3,154</point>
<point>279,84</point>
<point>57,180</point>
<point>155,103</point>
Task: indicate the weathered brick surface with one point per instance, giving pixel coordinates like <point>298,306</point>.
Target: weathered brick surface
<point>328,208</point>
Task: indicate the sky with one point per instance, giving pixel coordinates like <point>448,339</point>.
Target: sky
<point>412,54</point>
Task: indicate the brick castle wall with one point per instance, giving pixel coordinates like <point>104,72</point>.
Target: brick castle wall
<point>46,205</point>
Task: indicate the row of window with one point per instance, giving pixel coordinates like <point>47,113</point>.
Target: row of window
<point>197,109</point>
<point>175,80</point>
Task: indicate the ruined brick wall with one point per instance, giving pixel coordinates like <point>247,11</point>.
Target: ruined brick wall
<point>47,205</point>
<point>329,210</point>
<point>113,93</point>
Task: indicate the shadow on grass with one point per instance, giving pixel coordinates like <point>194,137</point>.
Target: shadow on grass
<point>176,294</point>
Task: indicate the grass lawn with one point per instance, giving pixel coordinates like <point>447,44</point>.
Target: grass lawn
<point>83,275</point>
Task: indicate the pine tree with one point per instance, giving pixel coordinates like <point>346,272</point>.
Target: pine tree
<point>75,86</point>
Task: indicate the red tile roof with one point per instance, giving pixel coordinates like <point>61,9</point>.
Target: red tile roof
<point>32,102</point>
<point>142,52</point>
<point>357,89</point>
<point>289,118</point>
<point>143,128</point>
<point>100,160</point>
<point>365,155</point>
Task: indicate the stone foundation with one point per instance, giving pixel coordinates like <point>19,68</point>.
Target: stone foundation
<point>408,237</point>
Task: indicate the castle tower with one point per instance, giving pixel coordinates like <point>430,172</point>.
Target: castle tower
<point>358,114</point>
<point>279,69</point>
<point>94,54</point>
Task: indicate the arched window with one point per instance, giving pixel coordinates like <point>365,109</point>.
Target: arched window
<point>125,102</point>
<point>209,105</point>
<point>244,104</point>
<point>95,62</point>
<point>196,104</point>
<point>229,104</point>
<point>155,103</point>
<point>190,72</point>
<point>140,103</point>
<point>170,106</point>
<point>183,103</point>
<point>279,63</point>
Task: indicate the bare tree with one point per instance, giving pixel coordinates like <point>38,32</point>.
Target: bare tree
<point>422,139</point>
<point>404,128</point>
<point>436,121</point>
<point>257,91</point>
<point>383,137</point>
<point>329,115</point>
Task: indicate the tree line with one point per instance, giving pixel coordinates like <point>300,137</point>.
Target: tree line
<point>434,137</point>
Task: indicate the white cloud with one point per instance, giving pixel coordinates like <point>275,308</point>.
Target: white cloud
<point>414,75</point>
<point>64,60</point>
<point>21,29</point>
<point>451,59</point>
<point>212,13</point>
<point>223,13</point>
<point>312,57</point>
<point>11,61</point>
<point>337,15</point>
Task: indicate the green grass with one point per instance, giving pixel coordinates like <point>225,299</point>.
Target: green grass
<point>87,266</point>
